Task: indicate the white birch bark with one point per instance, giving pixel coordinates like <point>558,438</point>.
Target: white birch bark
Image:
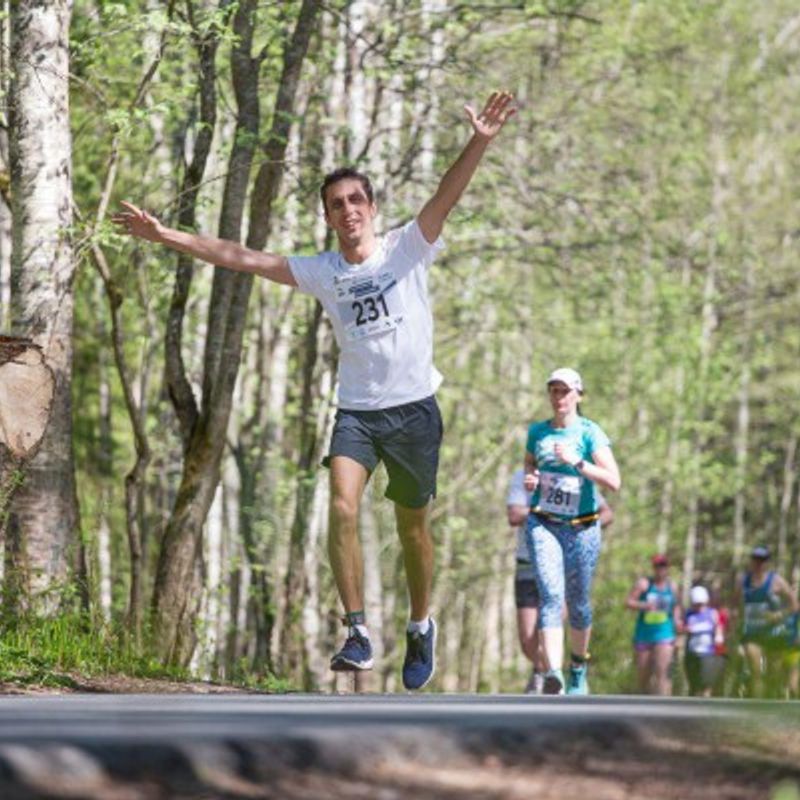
<point>743,422</point>
<point>673,450</point>
<point>357,86</point>
<point>492,625</point>
<point>208,639</point>
<point>796,551</point>
<point>708,327</point>
<point>789,479</point>
<point>373,588</point>
<point>431,11</point>
<point>312,611</point>
<point>161,161</point>
<point>5,209</point>
<point>104,564</point>
<point>44,517</point>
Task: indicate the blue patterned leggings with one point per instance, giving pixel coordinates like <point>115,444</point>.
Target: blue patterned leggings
<point>565,560</point>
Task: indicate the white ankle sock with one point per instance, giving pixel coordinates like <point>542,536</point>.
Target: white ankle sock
<point>417,626</point>
<point>362,629</point>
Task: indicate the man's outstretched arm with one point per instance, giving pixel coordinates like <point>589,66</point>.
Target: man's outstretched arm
<point>220,252</point>
<point>485,126</point>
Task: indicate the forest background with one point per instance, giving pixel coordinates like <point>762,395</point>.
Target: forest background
<point>637,220</point>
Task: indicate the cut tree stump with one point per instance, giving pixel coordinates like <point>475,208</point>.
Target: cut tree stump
<point>26,399</point>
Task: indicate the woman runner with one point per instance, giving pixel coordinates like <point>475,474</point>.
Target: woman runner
<point>566,457</point>
<point>655,601</point>
<point>703,632</point>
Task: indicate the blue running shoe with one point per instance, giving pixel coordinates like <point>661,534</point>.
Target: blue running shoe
<point>553,682</point>
<point>577,683</point>
<point>356,654</point>
<point>420,662</point>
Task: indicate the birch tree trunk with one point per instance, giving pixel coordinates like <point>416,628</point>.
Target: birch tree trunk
<point>293,644</point>
<point>174,607</point>
<point>43,523</point>
<point>5,195</point>
<point>708,327</point>
<point>743,420</point>
<point>789,479</point>
<point>665,518</point>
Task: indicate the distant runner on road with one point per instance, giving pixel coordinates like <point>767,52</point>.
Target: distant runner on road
<point>766,604</point>
<point>375,291</point>
<point>655,601</point>
<point>704,640</point>
<point>566,458</point>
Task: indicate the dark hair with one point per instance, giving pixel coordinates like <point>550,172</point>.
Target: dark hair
<point>346,173</point>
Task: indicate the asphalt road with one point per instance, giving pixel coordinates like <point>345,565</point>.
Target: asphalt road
<point>299,747</point>
<point>70,718</point>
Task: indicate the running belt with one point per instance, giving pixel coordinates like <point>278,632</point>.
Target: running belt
<point>584,519</point>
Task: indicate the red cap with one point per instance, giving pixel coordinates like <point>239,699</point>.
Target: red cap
<point>660,560</point>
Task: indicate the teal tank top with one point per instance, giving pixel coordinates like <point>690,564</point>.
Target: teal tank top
<point>656,625</point>
<point>759,603</point>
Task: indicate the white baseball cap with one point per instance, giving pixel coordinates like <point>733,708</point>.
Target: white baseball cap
<point>699,595</point>
<point>567,376</point>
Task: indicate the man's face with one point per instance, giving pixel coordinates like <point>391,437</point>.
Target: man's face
<point>348,210</point>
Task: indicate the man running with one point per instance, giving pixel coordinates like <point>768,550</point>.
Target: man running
<point>375,291</point>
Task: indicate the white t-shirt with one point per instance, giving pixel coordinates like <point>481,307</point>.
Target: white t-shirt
<point>381,318</point>
<point>517,496</point>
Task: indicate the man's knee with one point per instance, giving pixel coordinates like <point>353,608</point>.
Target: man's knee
<point>344,514</point>
<point>414,535</point>
<point>412,523</point>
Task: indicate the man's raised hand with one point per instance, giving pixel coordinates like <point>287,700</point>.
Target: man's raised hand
<point>137,222</point>
<point>499,107</point>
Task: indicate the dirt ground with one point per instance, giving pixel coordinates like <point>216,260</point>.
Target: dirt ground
<point>120,684</point>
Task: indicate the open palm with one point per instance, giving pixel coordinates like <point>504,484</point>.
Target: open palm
<point>136,222</point>
<point>497,110</point>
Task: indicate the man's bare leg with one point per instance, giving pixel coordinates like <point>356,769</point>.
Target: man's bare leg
<point>347,481</point>
<point>413,527</point>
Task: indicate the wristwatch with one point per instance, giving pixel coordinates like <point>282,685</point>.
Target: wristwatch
<point>579,464</point>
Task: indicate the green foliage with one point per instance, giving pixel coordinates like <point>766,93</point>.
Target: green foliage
<point>44,651</point>
<point>638,221</point>
<point>786,790</point>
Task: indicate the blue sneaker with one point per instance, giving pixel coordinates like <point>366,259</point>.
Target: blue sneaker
<point>356,654</point>
<point>420,662</point>
<point>577,683</point>
<point>553,682</point>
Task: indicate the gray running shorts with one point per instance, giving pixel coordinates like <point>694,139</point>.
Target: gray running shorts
<point>406,438</point>
<point>526,593</point>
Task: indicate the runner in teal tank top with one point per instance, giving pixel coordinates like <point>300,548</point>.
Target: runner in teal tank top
<point>654,623</point>
<point>765,603</point>
<point>658,613</point>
